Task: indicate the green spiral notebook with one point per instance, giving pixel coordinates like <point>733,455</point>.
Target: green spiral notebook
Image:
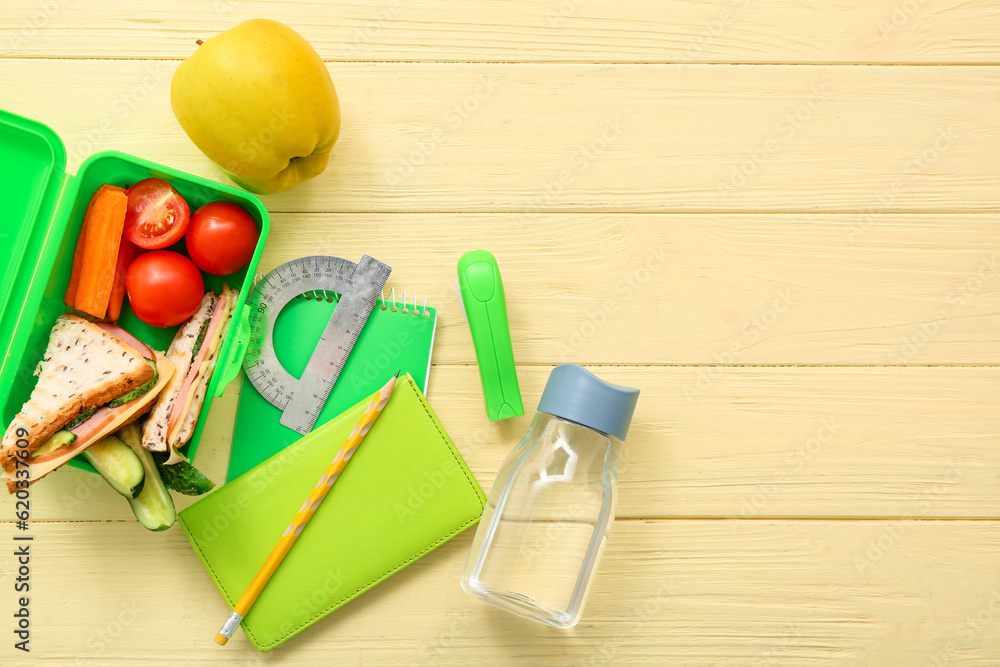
<point>406,492</point>
<point>396,337</point>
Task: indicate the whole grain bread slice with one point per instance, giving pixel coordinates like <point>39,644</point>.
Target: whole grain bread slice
<point>84,367</point>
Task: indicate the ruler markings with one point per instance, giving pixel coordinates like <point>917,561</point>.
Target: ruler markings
<point>301,400</point>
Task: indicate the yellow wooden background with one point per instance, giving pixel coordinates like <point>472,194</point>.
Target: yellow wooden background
<point>776,218</point>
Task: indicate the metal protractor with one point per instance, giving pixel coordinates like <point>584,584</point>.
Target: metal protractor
<point>359,285</point>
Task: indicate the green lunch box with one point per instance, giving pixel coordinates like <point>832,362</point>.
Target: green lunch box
<point>40,220</point>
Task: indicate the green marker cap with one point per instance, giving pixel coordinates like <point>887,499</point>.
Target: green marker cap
<point>481,293</point>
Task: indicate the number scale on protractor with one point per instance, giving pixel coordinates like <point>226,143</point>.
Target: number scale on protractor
<point>359,285</point>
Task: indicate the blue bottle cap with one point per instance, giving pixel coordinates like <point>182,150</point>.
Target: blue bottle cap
<point>577,395</point>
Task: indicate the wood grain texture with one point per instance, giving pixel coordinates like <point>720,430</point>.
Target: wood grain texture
<point>673,592</point>
<point>812,474</point>
<point>724,442</point>
<point>540,138</point>
<point>695,289</point>
<point>677,31</point>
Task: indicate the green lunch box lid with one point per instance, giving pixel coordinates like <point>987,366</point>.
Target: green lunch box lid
<point>40,201</point>
<point>32,176</point>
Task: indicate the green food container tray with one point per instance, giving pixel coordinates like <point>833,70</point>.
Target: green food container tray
<point>40,220</point>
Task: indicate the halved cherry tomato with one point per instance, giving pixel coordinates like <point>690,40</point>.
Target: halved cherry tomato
<point>222,238</point>
<point>156,216</point>
<point>164,287</point>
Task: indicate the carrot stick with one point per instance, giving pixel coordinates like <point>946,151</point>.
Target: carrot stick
<point>126,253</point>
<point>104,219</point>
<point>81,239</point>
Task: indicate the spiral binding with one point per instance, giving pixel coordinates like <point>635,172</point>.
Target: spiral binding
<point>402,307</point>
<point>331,297</point>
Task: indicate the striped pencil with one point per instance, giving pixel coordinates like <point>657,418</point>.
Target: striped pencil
<point>372,411</point>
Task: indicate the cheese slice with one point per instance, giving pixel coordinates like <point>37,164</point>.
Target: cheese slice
<point>213,337</point>
<point>195,389</point>
<point>42,468</point>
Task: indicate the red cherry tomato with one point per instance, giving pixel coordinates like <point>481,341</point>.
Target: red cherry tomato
<point>164,288</point>
<point>156,216</point>
<point>222,238</point>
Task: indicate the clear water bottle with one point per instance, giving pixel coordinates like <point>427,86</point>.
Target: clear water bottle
<point>542,533</point>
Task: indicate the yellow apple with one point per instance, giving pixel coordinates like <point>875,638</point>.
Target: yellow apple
<point>259,102</point>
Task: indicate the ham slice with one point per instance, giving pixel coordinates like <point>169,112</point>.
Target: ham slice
<point>85,433</point>
<point>99,420</point>
<point>181,352</point>
<point>104,422</point>
<point>182,402</point>
<point>104,415</point>
<point>139,346</point>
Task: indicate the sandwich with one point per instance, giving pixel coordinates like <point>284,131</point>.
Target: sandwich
<point>92,380</point>
<point>193,352</point>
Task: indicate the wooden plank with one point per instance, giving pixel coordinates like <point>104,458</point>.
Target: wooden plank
<point>541,138</point>
<point>679,31</point>
<point>673,592</point>
<point>695,289</point>
<point>723,442</point>
<point>786,514</point>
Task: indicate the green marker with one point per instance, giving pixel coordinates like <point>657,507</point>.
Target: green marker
<point>480,292</point>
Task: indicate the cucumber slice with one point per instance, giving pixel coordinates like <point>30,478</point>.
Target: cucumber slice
<point>154,508</point>
<point>59,439</point>
<point>118,465</point>
<point>182,477</point>
<point>201,338</point>
<point>138,391</point>
<point>80,418</point>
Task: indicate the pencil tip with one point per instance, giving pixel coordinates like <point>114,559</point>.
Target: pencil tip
<point>397,374</point>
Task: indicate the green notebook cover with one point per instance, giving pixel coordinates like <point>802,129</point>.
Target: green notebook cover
<point>390,341</point>
<point>405,492</point>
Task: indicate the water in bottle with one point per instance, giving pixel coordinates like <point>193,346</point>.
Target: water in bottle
<point>546,521</point>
